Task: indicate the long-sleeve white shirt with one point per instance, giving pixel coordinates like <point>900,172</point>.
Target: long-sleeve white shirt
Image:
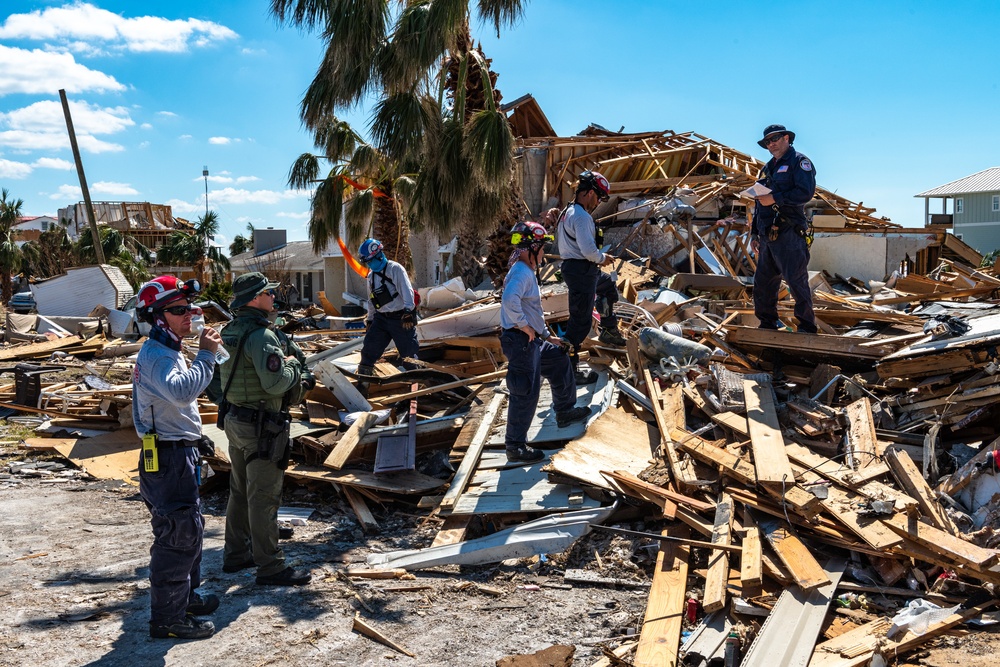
<point>576,235</point>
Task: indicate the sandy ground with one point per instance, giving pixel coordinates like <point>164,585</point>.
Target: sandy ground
<point>73,587</point>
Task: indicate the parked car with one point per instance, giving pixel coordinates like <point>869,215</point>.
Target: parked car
<point>22,303</point>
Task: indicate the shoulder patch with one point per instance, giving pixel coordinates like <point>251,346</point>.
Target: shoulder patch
<point>274,363</point>
<point>805,164</point>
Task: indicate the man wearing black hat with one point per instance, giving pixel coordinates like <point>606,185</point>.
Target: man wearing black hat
<point>780,231</point>
<point>267,374</point>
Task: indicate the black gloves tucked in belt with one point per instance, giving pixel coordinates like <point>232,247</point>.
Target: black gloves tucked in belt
<point>205,446</point>
<point>408,319</point>
<point>308,382</point>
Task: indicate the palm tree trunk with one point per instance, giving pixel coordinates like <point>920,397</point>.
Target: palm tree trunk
<point>392,229</point>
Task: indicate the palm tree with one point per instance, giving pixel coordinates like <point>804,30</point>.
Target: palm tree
<point>196,250</point>
<point>459,145</point>
<point>120,250</point>
<point>242,244</point>
<point>50,255</point>
<point>10,254</point>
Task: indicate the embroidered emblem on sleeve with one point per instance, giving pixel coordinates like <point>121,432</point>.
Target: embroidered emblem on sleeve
<point>806,164</point>
<point>273,363</point>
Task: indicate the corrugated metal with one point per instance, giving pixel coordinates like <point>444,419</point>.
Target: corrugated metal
<point>987,180</point>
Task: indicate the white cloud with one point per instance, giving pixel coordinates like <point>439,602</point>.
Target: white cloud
<point>143,144</point>
<point>71,192</point>
<point>84,27</point>
<point>224,177</point>
<point>247,179</point>
<point>185,137</point>
<point>181,206</point>
<point>50,141</point>
<point>39,72</point>
<point>294,216</point>
<point>47,116</point>
<point>11,169</point>
<point>220,141</point>
<point>53,163</point>
<point>239,196</point>
<point>169,114</point>
<point>113,189</point>
<point>146,126</point>
<point>215,179</point>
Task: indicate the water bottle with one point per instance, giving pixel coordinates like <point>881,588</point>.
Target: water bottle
<point>197,326</point>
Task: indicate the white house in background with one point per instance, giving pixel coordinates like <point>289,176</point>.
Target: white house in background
<point>30,227</point>
<point>975,209</point>
<point>78,291</point>
<point>273,253</point>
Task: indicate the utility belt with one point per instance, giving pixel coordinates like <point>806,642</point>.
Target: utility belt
<point>392,314</point>
<point>273,433</point>
<point>177,443</point>
<point>780,223</point>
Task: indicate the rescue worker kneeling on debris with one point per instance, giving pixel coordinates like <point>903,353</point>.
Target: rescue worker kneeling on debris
<point>165,412</point>
<point>266,375</point>
<point>580,242</point>
<point>392,311</point>
<point>532,351</point>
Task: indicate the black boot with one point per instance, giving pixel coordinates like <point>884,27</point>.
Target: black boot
<point>189,628</point>
<point>582,377</point>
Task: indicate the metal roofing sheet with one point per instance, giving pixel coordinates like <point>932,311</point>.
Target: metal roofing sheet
<point>987,180</point>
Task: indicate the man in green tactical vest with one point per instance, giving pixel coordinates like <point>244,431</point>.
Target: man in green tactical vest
<point>266,375</point>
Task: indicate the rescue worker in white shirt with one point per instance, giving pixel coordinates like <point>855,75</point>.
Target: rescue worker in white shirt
<point>392,314</point>
<point>532,351</point>
<point>579,241</point>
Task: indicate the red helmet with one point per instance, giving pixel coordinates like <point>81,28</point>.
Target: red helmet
<point>529,234</point>
<point>163,290</point>
<point>594,180</point>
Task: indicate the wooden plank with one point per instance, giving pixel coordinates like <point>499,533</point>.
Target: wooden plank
<point>708,452</point>
<point>629,479</point>
<point>683,471</point>
<point>348,395</point>
<point>750,559</point>
<point>472,454</point>
<point>33,350</point>
<point>718,560</point>
<point>796,557</point>
<point>909,478</point>
<point>840,346</point>
<point>770,460</point>
<point>452,531</point>
<point>346,445</point>
<point>659,639</point>
<point>944,543</point>
<point>864,449</point>
<point>364,515</point>
<point>479,379</point>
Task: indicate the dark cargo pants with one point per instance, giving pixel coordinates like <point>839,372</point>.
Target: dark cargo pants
<point>788,258</point>
<point>586,282</point>
<point>527,364</point>
<point>178,528</point>
<point>387,327</point>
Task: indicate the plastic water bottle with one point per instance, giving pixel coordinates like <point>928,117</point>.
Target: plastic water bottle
<point>197,326</point>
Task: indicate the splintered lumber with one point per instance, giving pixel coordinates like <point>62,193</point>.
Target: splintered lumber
<point>479,379</point>
<point>863,446</point>
<point>795,498</point>
<point>453,530</point>
<point>627,479</point>
<point>361,511</point>
<point>710,453</point>
<point>34,350</point>
<point>795,556</point>
<point>669,417</point>
<point>660,638</point>
<point>701,527</point>
<point>346,445</point>
<point>831,653</point>
<point>828,346</point>
<point>770,460</point>
<point>944,543</point>
<point>718,562</point>
<point>368,631</point>
<point>475,450</point>
<point>750,558</point>
<point>962,477</point>
<point>906,473</point>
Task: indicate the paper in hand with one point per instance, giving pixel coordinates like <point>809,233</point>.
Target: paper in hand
<point>756,190</point>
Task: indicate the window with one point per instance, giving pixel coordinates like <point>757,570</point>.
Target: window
<point>996,203</point>
<point>959,205</point>
<point>45,223</point>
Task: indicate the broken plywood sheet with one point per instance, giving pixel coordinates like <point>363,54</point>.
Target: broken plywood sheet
<point>599,396</point>
<point>113,455</point>
<point>616,440</point>
<point>409,482</point>
<point>522,489</point>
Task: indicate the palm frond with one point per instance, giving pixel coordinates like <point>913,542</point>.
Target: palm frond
<point>398,125</point>
<point>368,162</point>
<point>304,171</point>
<point>358,215</point>
<point>405,188</point>
<point>305,14</point>
<point>336,138</point>
<point>327,208</point>
<point>501,12</point>
<point>338,83</point>
<point>489,148</point>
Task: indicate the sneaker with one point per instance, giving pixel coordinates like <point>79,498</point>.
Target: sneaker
<point>230,569</point>
<point>189,628</point>
<point>612,337</point>
<point>571,416</point>
<point>524,453</point>
<point>287,577</point>
<point>202,605</point>
<point>585,377</point>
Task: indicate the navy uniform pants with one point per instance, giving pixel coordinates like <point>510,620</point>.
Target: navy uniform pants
<point>587,283</point>
<point>788,258</point>
<point>178,527</point>
<point>527,364</point>
<point>387,327</point>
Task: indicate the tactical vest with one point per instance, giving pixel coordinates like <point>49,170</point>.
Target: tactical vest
<point>246,389</point>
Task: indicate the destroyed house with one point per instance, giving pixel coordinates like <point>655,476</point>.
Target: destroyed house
<point>975,209</point>
<point>149,224</point>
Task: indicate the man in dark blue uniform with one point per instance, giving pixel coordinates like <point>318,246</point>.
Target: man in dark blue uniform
<point>778,237</point>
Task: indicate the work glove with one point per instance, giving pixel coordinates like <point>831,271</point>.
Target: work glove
<point>206,447</point>
<point>408,320</point>
<point>308,382</point>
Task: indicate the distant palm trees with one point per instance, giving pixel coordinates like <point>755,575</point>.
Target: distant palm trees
<point>196,250</point>
<point>10,254</point>
<point>441,151</point>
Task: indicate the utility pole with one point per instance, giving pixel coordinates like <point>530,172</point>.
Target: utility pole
<point>204,172</point>
<point>92,219</point>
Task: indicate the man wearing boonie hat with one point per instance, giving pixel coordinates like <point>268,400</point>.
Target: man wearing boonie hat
<point>779,236</point>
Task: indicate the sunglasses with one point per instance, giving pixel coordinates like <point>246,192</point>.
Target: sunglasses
<point>179,310</point>
<point>776,138</point>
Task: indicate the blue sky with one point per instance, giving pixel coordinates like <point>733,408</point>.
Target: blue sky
<point>888,99</point>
